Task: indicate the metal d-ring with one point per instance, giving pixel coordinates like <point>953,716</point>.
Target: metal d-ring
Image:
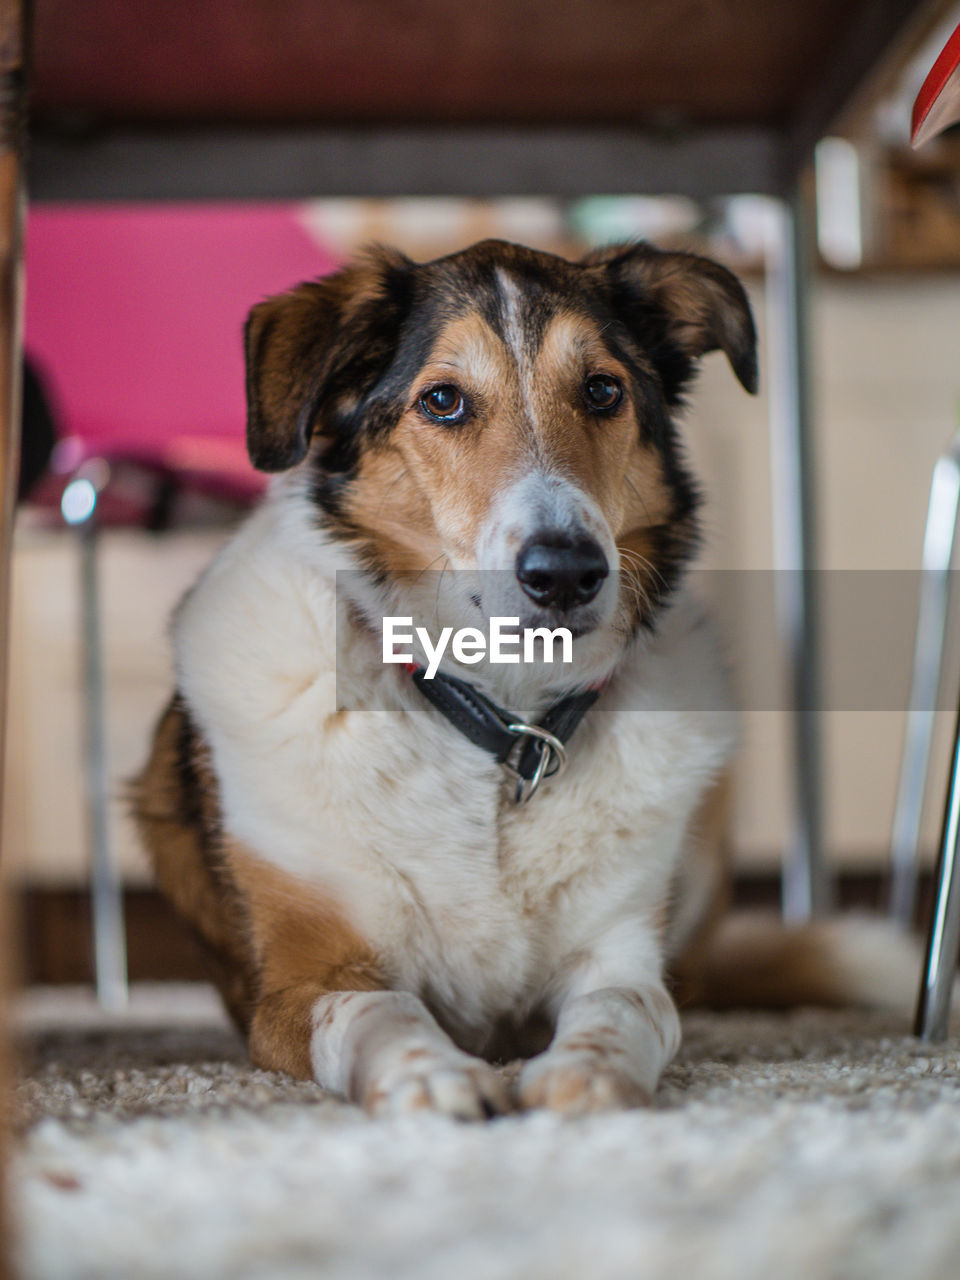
<point>551,763</point>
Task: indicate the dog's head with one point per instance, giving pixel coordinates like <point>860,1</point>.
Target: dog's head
<point>501,409</point>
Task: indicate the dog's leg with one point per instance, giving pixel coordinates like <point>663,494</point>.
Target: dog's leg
<point>381,1049</point>
<point>384,1050</point>
<point>325,1011</point>
<point>377,1047</point>
<point>614,1036</point>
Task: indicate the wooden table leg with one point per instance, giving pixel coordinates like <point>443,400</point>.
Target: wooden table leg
<point>12,129</point>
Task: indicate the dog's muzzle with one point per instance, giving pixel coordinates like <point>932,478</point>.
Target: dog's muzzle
<point>557,571</point>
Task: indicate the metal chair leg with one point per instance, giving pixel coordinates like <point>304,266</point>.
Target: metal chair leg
<point>806,885</point>
<point>943,512</point>
<point>110,953</point>
<point>943,940</point>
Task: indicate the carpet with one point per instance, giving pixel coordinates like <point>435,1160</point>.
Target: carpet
<point>809,1144</point>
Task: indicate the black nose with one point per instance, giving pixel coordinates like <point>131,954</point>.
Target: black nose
<point>561,572</point>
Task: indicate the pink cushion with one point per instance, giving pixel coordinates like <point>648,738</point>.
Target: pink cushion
<point>134,315</point>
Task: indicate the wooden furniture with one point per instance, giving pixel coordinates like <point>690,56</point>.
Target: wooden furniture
<point>11,226</point>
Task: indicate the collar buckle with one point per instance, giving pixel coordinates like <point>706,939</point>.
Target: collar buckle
<point>551,762</point>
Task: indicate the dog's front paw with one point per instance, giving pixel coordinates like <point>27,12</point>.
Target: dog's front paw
<point>422,1080</point>
<point>578,1083</point>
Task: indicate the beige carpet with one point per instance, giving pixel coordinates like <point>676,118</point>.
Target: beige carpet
<point>806,1145</point>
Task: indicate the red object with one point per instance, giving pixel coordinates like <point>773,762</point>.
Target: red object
<point>938,102</point>
<point>134,318</point>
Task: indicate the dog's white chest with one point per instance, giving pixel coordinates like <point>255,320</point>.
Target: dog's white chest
<point>410,828</point>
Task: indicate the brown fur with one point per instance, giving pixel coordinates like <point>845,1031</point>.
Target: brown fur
<point>342,362</point>
<point>303,949</point>
<point>274,948</point>
<point>703,306</point>
<point>427,488</point>
<point>175,802</point>
<point>753,959</point>
<point>283,337</point>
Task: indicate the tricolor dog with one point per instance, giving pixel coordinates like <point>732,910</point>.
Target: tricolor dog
<point>397,882</point>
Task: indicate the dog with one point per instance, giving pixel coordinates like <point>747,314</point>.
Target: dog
<point>389,907</point>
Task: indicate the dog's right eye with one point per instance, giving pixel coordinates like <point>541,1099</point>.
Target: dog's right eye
<point>443,404</point>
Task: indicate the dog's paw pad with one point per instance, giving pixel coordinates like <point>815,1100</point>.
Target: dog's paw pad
<point>578,1085</point>
<point>464,1092</point>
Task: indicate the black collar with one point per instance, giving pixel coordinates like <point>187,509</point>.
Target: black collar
<point>530,752</point>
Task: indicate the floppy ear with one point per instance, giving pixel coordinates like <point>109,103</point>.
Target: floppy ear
<point>680,306</point>
<point>315,346</point>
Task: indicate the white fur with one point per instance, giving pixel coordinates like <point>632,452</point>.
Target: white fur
<point>384,1049</point>
<point>610,1046</point>
<point>479,908</point>
<point>541,499</point>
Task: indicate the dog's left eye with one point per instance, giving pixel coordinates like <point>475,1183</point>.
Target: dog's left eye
<point>444,403</point>
<point>602,391</point>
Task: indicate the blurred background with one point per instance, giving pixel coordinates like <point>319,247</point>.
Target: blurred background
<point>188,160</point>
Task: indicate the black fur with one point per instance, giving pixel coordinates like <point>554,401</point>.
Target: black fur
<point>359,362</point>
